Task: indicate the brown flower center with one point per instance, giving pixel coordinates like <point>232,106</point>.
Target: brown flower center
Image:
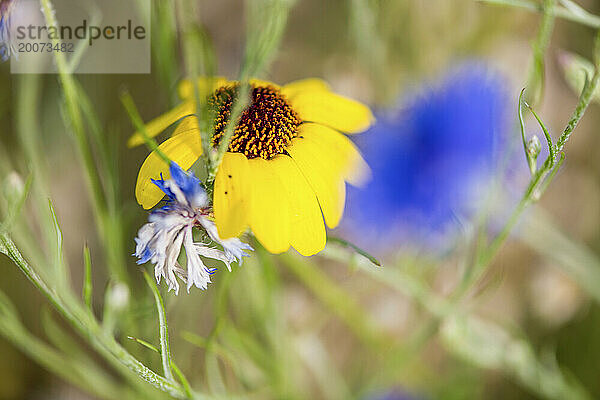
<point>264,129</point>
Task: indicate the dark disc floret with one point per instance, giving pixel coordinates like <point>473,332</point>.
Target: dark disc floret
<point>264,129</point>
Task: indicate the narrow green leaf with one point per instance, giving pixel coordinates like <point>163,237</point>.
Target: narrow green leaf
<point>200,60</point>
<point>239,105</point>
<point>163,329</point>
<point>138,123</point>
<point>530,161</point>
<point>551,150</point>
<point>98,136</point>
<point>60,266</point>
<point>95,18</point>
<point>355,248</point>
<point>87,277</point>
<point>147,345</point>
<point>265,25</point>
<point>184,382</point>
<point>164,41</point>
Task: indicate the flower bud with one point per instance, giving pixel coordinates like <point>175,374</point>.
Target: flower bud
<point>118,296</point>
<point>533,150</point>
<point>13,187</point>
<point>116,300</point>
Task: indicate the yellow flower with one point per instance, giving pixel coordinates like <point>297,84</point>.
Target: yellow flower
<point>286,165</point>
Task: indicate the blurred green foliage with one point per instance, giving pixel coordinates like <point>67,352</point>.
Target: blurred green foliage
<point>333,326</point>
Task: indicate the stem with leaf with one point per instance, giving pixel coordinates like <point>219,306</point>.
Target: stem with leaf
<point>265,27</point>
<point>542,177</point>
<point>109,225</point>
<point>80,318</point>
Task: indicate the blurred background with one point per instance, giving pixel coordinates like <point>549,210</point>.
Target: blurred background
<point>328,327</point>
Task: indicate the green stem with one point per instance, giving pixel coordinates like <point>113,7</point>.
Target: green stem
<point>61,271</point>
<point>584,18</point>
<point>89,328</point>
<point>72,96</point>
<point>113,229</point>
<point>546,174</point>
<point>28,128</point>
<point>63,366</point>
<point>358,250</point>
<point>539,181</point>
<point>199,60</point>
<point>86,291</point>
<point>165,354</point>
<point>265,26</point>
<point>176,370</point>
<point>69,91</point>
<point>139,125</point>
<point>540,47</point>
<point>551,150</point>
<point>584,102</point>
<point>237,109</point>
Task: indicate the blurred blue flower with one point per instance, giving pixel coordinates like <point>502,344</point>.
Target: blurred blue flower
<point>430,160</point>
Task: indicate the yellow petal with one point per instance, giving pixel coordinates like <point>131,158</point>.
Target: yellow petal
<point>323,176</point>
<point>291,89</point>
<point>232,195</point>
<point>333,110</point>
<point>308,230</point>
<point>161,123</point>
<point>269,216</point>
<point>188,124</point>
<point>343,153</point>
<point>206,86</point>
<point>184,149</point>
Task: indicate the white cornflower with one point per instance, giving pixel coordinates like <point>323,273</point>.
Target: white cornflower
<point>171,227</point>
